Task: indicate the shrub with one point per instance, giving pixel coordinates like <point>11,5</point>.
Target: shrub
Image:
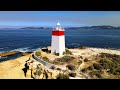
<point>80,57</point>
<point>96,73</point>
<point>80,62</point>
<point>85,60</point>
<point>57,54</point>
<point>97,66</point>
<point>105,66</point>
<point>38,53</point>
<point>52,67</point>
<point>45,59</point>
<point>115,71</point>
<point>118,70</point>
<point>67,52</point>
<point>92,72</point>
<point>71,67</point>
<point>103,55</point>
<point>65,59</point>
<point>58,69</point>
<point>90,67</point>
<point>62,76</point>
<point>72,74</point>
<point>107,63</point>
<point>82,47</point>
<point>38,72</point>
<point>116,56</point>
<point>102,61</point>
<point>84,70</point>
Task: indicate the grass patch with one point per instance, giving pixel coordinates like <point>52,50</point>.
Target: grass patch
<point>62,76</point>
<point>72,74</point>
<point>38,53</point>
<point>46,59</point>
<point>64,59</point>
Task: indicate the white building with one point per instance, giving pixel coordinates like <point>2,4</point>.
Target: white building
<point>58,40</point>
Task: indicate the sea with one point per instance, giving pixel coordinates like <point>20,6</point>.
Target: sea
<point>28,40</point>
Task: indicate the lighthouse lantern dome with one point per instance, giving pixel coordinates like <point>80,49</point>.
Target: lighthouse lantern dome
<point>58,24</point>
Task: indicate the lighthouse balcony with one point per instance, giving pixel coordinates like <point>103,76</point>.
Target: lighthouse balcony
<point>58,29</point>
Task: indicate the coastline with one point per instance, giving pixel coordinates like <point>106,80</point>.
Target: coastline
<point>12,69</point>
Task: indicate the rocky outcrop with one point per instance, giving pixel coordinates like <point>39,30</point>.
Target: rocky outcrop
<point>39,71</point>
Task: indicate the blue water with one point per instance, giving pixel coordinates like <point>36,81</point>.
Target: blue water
<point>30,40</point>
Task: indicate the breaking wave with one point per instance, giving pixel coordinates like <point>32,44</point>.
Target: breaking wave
<point>26,49</point>
<point>21,49</point>
<point>3,57</point>
<point>2,52</point>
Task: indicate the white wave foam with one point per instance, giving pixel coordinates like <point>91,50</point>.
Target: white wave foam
<point>32,50</point>
<point>21,49</point>
<point>26,49</point>
<point>2,57</point>
<point>2,52</point>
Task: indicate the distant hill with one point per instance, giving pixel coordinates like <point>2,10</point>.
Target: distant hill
<point>94,27</point>
<point>78,28</point>
<point>36,28</point>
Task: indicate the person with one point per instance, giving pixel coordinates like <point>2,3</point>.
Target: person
<point>25,69</point>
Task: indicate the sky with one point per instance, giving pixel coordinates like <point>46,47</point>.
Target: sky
<point>66,18</point>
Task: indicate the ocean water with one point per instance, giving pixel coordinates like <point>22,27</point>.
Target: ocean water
<point>24,40</point>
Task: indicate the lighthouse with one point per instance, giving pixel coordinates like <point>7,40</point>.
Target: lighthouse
<point>58,40</point>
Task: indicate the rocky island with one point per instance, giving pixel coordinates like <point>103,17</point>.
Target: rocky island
<point>77,63</point>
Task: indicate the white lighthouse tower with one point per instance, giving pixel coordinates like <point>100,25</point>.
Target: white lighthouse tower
<point>58,40</point>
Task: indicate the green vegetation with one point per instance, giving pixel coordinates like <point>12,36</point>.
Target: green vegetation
<point>71,67</point>
<point>67,52</point>
<point>72,74</point>
<point>80,57</point>
<point>97,66</point>
<point>64,59</point>
<point>90,67</point>
<point>79,62</point>
<point>95,73</point>
<point>84,70</point>
<point>106,66</point>
<point>62,76</point>
<point>86,60</point>
<point>45,59</point>
<point>38,72</point>
<point>38,53</point>
<point>57,54</point>
<point>58,69</point>
<point>52,67</point>
<point>82,47</point>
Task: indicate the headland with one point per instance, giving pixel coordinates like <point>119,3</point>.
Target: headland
<point>76,63</point>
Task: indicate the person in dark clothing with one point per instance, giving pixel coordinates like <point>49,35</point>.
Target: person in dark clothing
<point>25,69</point>
<point>26,66</point>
